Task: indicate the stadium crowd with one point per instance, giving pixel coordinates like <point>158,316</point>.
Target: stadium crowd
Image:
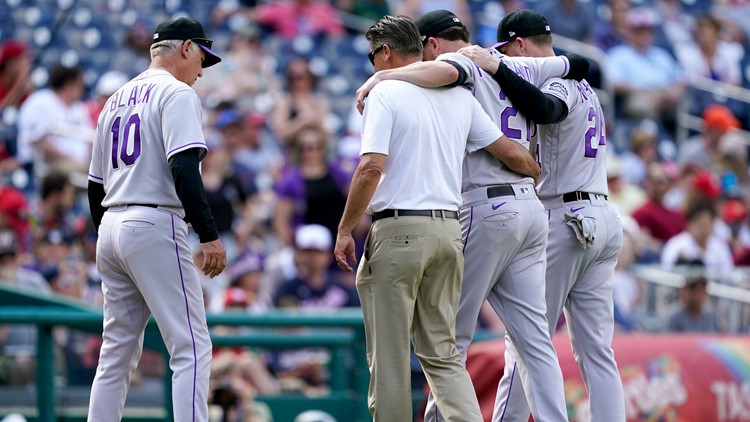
<point>284,139</point>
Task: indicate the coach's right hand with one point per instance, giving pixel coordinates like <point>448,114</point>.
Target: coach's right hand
<point>214,258</point>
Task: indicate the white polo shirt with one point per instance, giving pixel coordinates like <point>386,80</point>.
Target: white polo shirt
<point>425,133</point>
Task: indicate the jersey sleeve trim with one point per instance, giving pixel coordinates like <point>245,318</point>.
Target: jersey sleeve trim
<point>188,146</point>
<point>566,69</point>
<point>96,179</point>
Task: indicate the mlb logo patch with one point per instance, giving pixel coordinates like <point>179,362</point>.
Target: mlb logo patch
<point>456,20</point>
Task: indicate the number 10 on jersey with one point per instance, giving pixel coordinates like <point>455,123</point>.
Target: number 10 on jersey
<point>131,131</point>
<point>594,137</point>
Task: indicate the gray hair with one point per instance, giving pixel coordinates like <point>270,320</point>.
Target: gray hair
<point>399,32</point>
<point>167,48</point>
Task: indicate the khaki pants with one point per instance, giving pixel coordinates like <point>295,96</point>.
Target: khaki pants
<point>409,282</point>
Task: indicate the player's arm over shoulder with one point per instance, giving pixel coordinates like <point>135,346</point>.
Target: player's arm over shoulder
<point>530,100</point>
<point>539,69</point>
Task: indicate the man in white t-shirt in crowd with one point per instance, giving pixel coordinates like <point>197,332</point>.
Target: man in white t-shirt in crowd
<point>54,125</point>
<point>409,178</point>
<point>698,242</point>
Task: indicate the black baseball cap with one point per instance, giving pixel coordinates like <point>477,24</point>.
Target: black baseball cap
<point>432,23</point>
<point>519,24</point>
<point>187,29</point>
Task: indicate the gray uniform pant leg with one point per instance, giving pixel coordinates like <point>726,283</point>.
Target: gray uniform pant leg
<point>505,263</point>
<point>146,265</point>
<point>580,282</point>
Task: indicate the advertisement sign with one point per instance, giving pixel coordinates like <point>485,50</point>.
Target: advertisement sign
<point>666,378</point>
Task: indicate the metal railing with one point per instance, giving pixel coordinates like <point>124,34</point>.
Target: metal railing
<point>342,332</point>
<point>730,302</point>
<point>721,93</point>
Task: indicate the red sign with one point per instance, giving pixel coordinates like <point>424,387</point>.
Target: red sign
<point>666,378</point>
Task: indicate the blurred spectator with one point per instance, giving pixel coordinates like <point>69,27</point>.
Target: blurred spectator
<point>51,250</point>
<point>626,292</point>
<point>703,149</point>
<point>15,70</point>
<point>107,85</point>
<point>625,196</point>
<point>314,416</point>
<point>645,76</point>
<point>311,190</point>
<point>732,227</point>
<point>417,8</point>
<point>54,128</point>
<point>136,55</point>
<point>675,22</point>
<point>486,20</point>
<point>615,29</point>
<point>11,269</point>
<point>246,289</point>
<point>56,207</point>
<point>236,378</point>
<point>709,56</point>
<point>14,214</point>
<point>643,151</point>
<point>698,242</point>
<point>693,316</point>
<point>300,104</point>
<point>17,341</point>
<point>246,75</point>
<point>657,221</point>
<point>226,193</point>
<point>247,143</point>
<point>704,188</point>
<point>371,10</point>
<point>736,18</point>
<point>732,167</point>
<point>569,18</point>
<point>292,18</point>
<point>313,289</point>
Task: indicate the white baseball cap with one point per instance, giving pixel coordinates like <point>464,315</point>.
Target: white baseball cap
<point>314,416</point>
<point>110,82</point>
<point>313,236</point>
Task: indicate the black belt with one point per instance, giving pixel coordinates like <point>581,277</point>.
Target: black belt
<point>144,205</point>
<point>580,196</point>
<point>415,213</point>
<point>500,190</point>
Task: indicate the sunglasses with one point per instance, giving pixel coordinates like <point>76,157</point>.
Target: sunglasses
<point>371,55</point>
<point>203,41</point>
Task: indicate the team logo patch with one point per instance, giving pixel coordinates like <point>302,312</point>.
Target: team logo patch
<point>559,88</point>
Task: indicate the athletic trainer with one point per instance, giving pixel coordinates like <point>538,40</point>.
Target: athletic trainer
<point>409,179</point>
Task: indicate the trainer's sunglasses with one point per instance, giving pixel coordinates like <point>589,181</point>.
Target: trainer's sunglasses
<point>371,55</point>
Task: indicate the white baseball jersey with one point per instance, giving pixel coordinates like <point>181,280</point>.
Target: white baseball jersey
<point>151,117</point>
<point>481,168</point>
<point>573,167</point>
<point>425,133</point>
